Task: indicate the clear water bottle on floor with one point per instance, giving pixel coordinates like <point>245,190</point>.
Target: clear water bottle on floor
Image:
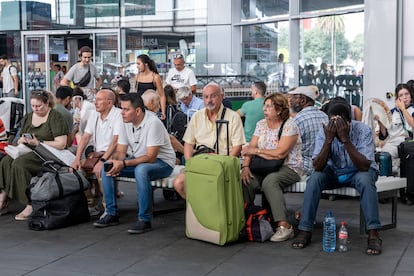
<point>343,238</point>
<point>329,233</point>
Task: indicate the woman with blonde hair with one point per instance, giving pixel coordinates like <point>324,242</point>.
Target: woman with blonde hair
<point>44,124</point>
<point>275,137</point>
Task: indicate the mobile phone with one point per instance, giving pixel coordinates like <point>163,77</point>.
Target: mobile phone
<point>108,166</point>
<point>27,136</point>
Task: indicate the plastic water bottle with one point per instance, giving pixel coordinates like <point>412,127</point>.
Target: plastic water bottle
<point>343,238</point>
<point>329,233</point>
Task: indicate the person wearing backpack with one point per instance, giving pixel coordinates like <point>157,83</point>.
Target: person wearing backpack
<point>9,78</point>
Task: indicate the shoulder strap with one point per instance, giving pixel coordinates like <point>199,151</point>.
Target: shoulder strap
<point>219,128</point>
<point>281,129</point>
<point>410,134</point>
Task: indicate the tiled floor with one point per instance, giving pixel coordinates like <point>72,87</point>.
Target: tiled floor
<point>84,250</point>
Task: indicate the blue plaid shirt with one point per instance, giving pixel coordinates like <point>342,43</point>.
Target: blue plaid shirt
<point>361,137</point>
<point>309,120</point>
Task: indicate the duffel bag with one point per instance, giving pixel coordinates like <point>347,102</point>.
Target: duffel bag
<point>60,212</point>
<point>57,183</point>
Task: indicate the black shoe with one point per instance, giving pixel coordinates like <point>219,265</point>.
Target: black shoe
<point>107,220</point>
<point>140,227</point>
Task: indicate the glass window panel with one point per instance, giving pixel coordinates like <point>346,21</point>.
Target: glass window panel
<point>315,5</point>
<point>331,55</point>
<point>263,8</point>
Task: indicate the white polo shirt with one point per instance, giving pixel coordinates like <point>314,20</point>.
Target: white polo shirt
<point>103,131</point>
<point>150,133</point>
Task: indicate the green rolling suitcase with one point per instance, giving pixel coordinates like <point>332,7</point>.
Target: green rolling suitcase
<point>215,211</point>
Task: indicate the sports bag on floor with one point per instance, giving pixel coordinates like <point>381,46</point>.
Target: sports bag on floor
<point>258,227</point>
<point>58,198</point>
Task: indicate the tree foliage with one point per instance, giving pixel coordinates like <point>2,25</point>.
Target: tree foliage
<point>356,51</point>
<point>318,44</point>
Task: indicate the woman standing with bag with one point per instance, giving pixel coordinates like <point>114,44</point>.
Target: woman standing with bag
<point>275,137</point>
<point>44,124</point>
<point>148,78</point>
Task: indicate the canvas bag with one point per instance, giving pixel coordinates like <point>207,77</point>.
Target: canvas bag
<point>56,183</point>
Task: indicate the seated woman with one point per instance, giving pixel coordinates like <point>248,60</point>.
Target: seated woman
<point>266,143</point>
<point>402,121</point>
<point>44,124</point>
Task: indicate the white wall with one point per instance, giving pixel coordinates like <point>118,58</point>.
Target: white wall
<point>381,51</point>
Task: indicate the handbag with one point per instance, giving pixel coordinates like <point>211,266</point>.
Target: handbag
<point>91,160</point>
<point>261,166</point>
<point>202,149</point>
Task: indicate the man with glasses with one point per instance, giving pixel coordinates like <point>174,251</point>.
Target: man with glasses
<point>180,75</point>
<point>201,130</point>
<point>309,119</point>
<point>79,72</point>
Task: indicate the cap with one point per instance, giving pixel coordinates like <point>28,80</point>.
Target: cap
<point>304,90</point>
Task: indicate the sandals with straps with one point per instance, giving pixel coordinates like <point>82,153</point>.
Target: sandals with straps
<point>302,240</point>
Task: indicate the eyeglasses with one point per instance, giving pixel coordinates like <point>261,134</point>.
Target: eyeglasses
<point>267,106</point>
<point>212,96</point>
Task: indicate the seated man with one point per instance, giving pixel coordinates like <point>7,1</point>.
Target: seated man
<point>189,103</point>
<point>343,157</point>
<point>153,158</point>
<point>201,130</point>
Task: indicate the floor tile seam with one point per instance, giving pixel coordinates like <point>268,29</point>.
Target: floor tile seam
<point>402,256</point>
<point>148,256</point>
<point>226,259</point>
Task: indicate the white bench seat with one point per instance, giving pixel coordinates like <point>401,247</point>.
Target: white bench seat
<point>387,188</point>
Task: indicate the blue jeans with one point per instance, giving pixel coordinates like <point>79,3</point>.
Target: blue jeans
<point>144,173</point>
<point>363,182</point>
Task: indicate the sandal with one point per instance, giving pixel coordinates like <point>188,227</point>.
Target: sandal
<point>374,246</point>
<point>25,214</point>
<point>302,240</point>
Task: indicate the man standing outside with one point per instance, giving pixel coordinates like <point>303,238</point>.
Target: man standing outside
<point>201,130</point>
<point>153,158</point>
<point>309,119</point>
<point>9,78</point>
<point>189,103</point>
<point>78,74</point>
<point>343,157</point>
<point>253,110</point>
<point>181,75</point>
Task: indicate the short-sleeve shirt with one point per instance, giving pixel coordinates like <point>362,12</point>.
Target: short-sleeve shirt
<point>77,71</point>
<point>361,137</point>
<point>253,112</point>
<point>309,120</point>
<point>47,131</point>
<point>103,131</point>
<point>68,118</point>
<point>201,131</point>
<point>185,77</point>
<point>149,133</point>
<point>8,82</point>
<point>195,104</point>
<point>398,130</point>
<point>269,139</point>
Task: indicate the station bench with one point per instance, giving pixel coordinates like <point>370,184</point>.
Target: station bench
<point>166,184</point>
<point>387,188</point>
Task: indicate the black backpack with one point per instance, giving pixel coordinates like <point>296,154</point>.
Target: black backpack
<point>176,122</point>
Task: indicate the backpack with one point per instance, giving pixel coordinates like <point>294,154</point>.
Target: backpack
<point>258,227</point>
<point>176,122</point>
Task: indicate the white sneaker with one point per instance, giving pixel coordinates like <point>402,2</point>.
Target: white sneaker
<point>282,234</point>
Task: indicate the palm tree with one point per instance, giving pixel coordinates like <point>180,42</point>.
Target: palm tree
<point>332,24</point>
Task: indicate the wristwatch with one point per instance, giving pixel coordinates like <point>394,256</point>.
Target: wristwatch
<point>103,160</point>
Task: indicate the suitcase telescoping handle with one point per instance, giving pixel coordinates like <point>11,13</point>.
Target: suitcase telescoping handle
<point>219,123</point>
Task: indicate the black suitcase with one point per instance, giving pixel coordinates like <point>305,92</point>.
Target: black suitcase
<point>406,154</point>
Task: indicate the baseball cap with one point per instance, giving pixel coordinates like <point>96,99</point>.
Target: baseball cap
<point>304,90</point>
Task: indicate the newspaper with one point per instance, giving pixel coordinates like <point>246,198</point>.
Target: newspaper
<point>16,151</point>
